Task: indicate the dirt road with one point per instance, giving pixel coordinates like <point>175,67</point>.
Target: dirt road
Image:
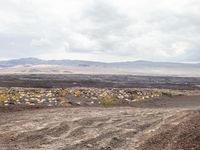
<point>104,128</point>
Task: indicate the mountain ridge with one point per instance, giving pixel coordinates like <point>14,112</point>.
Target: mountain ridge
<point>85,63</point>
<point>66,66</point>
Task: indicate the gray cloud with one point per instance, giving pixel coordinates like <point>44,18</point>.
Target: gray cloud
<point>106,30</point>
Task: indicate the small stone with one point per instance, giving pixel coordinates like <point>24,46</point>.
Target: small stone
<point>115,138</point>
<point>108,148</point>
<point>147,96</point>
<point>94,98</point>
<point>127,100</point>
<point>120,97</point>
<point>88,145</point>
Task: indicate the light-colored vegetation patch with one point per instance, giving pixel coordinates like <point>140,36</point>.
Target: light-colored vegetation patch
<point>136,97</point>
<point>9,96</point>
<point>62,92</point>
<point>77,93</point>
<point>107,100</point>
<point>157,93</point>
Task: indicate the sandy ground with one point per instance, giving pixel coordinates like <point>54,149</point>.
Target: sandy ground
<point>153,125</point>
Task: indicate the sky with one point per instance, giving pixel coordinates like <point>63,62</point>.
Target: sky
<point>101,30</point>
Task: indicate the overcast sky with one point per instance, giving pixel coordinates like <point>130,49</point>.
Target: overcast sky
<point>101,30</point>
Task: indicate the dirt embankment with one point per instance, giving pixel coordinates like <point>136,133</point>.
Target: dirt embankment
<point>151,125</point>
<point>184,136</point>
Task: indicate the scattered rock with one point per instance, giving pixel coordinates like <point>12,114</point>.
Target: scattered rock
<point>88,145</point>
<point>57,96</point>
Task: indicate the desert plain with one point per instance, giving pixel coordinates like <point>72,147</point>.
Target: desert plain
<point>92,112</point>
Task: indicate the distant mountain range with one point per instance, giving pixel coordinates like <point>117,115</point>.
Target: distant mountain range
<point>82,63</point>
<point>34,65</point>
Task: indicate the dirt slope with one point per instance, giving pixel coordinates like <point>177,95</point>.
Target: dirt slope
<point>99,128</point>
<point>184,136</point>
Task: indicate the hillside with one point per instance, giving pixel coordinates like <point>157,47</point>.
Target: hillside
<point>34,65</point>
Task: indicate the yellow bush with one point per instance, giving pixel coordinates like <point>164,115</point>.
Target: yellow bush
<point>107,100</point>
<point>136,97</point>
<point>7,96</point>
<point>3,96</point>
<point>77,93</point>
<point>62,93</point>
<point>157,93</point>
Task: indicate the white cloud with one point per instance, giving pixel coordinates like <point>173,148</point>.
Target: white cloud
<point>105,30</point>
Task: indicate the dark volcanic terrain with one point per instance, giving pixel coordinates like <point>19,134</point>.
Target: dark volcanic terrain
<point>98,81</point>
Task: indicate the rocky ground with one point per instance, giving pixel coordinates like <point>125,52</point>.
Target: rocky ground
<point>99,119</point>
<point>83,96</point>
<point>99,112</point>
<point>72,96</point>
<point>89,118</point>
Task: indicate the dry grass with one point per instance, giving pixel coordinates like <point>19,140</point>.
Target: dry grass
<point>9,96</point>
<point>107,100</point>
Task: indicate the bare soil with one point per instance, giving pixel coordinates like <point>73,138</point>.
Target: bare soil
<point>167,123</point>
